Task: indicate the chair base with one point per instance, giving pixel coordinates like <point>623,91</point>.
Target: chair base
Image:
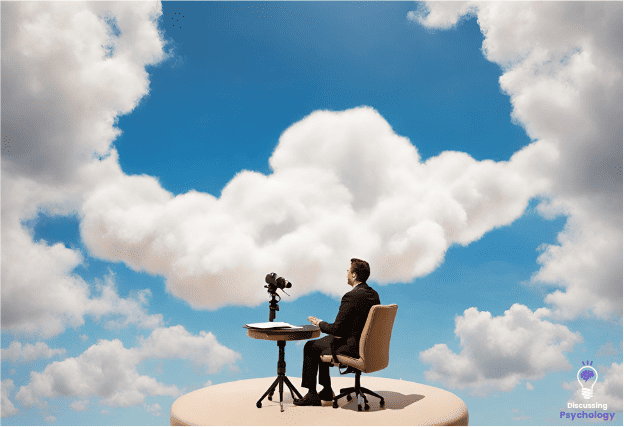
<point>359,391</point>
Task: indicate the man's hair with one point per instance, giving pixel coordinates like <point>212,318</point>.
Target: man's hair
<point>361,269</point>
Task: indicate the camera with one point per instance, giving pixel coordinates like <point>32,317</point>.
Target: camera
<point>276,282</point>
<point>273,284</point>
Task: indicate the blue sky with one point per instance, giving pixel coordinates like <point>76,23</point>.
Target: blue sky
<point>233,87</point>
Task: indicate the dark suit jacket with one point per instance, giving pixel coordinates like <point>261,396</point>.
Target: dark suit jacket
<point>350,319</point>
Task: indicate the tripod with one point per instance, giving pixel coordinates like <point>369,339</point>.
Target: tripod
<point>281,364</point>
<point>281,380</point>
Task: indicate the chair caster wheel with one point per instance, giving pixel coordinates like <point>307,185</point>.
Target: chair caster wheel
<point>359,408</point>
<point>335,404</point>
<point>349,398</point>
<point>259,404</point>
<point>382,403</point>
<point>366,407</point>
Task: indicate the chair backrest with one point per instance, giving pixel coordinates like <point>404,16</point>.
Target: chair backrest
<point>375,339</point>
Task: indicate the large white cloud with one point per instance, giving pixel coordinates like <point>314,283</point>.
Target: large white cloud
<point>109,370</point>
<point>62,85</point>
<point>562,65</point>
<point>343,185</point>
<point>498,353</point>
<point>16,352</point>
<point>69,69</point>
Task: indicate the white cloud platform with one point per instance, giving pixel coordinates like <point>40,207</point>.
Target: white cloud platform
<point>234,403</point>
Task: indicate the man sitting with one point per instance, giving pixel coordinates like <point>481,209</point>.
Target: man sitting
<point>344,334</point>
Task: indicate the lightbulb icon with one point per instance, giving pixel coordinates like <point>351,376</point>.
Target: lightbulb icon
<point>587,392</point>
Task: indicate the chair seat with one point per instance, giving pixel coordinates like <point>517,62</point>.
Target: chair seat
<point>346,360</point>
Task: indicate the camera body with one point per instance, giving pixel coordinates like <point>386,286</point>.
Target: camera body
<point>274,283</point>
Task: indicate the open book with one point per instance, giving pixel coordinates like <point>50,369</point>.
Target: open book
<point>272,325</point>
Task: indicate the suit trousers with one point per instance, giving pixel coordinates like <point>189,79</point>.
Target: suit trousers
<point>312,363</point>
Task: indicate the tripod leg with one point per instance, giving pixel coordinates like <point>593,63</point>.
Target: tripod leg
<point>292,388</point>
<point>259,403</point>
<point>292,394</point>
<point>281,391</point>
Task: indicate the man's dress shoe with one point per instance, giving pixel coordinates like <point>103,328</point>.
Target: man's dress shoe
<point>327,396</point>
<point>310,399</point>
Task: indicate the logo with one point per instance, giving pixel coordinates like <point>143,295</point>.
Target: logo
<point>587,372</point>
<point>587,377</point>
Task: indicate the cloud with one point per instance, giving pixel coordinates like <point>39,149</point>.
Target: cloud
<point>497,353</point>
<point>608,390</point>
<point>61,94</point>
<point>442,16</point>
<point>50,419</point>
<point>606,350</point>
<point>29,352</point>
<point>64,87</point>
<point>202,350</point>
<point>109,370</point>
<point>79,405</point>
<point>46,311</point>
<point>312,214</point>
<point>26,305</point>
<point>154,409</point>
<point>128,311</point>
<point>8,409</point>
<point>562,64</point>
<point>529,386</point>
<point>106,369</point>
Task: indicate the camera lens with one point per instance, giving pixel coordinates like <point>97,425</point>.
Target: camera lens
<point>278,282</point>
<point>283,283</point>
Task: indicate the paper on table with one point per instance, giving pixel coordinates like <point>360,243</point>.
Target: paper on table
<point>272,325</point>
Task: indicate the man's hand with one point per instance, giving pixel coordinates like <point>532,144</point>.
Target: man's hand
<point>314,320</point>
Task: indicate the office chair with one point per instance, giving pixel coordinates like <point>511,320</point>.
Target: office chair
<point>374,352</point>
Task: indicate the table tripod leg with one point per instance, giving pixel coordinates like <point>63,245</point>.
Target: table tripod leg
<point>259,402</point>
<point>281,390</point>
<point>292,394</point>
<point>292,388</point>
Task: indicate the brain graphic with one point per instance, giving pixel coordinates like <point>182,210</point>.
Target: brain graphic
<point>587,374</point>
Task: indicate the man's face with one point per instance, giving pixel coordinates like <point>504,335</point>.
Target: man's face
<point>350,277</point>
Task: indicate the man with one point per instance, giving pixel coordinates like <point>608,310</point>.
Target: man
<point>345,334</point>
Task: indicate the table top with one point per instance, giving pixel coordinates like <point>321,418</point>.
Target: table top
<point>308,332</point>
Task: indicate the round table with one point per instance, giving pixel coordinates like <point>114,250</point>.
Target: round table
<point>281,336</point>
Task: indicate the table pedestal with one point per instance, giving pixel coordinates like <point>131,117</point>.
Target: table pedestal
<point>281,379</point>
